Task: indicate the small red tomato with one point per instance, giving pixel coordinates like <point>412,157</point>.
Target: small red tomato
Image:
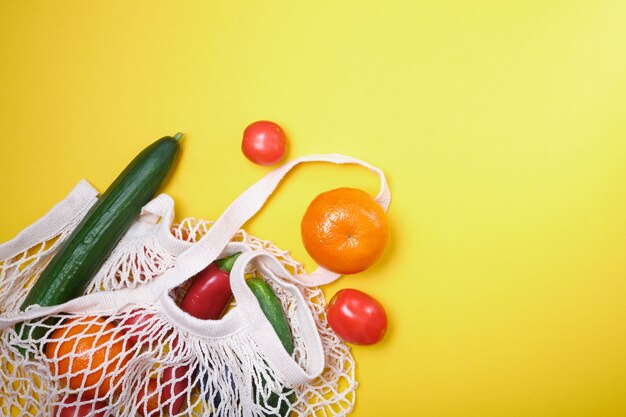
<point>72,408</point>
<point>148,399</point>
<point>166,394</point>
<point>264,143</point>
<point>174,387</point>
<point>356,317</point>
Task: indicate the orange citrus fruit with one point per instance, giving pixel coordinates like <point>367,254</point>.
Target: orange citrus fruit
<point>88,354</point>
<point>345,230</point>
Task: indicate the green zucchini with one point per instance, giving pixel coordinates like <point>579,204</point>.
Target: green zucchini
<point>80,257</point>
<point>273,310</point>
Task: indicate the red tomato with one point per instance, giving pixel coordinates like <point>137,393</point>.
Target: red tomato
<point>356,317</point>
<point>148,399</point>
<point>166,394</point>
<point>70,408</point>
<point>264,143</point>
<point>174,387</point>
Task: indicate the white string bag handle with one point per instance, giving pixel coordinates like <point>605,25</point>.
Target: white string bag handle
<point>282,362</point>
<point>207,249</point>
<point>158,213</point>
<point>82,196</point>
<point>248,317</point>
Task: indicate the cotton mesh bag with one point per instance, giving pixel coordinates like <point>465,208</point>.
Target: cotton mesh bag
<point>126,349</point>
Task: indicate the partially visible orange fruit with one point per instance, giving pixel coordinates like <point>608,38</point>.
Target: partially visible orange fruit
<point>345,230</point>
<point>88,354</point>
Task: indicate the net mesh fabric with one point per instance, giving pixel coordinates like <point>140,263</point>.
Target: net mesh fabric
<point>136,362</point>
<point>18,273</point>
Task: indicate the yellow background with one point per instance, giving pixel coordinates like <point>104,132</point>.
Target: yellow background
<point>501,126</point>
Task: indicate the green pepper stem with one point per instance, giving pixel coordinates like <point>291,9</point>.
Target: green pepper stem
<point>226,264</point>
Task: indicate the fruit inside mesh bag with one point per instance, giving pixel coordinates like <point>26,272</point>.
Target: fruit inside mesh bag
<point>89,355</point>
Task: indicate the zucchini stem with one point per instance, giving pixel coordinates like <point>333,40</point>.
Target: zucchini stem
<point>178,136</point>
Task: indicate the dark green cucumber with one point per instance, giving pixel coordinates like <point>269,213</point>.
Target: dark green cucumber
<point>80,257</point>
<point>273,310</point>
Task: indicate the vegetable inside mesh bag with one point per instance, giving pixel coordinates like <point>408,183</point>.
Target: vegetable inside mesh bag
<point>127,349</point>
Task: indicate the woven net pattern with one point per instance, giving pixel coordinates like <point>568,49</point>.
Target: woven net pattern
<point>136,362</point>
